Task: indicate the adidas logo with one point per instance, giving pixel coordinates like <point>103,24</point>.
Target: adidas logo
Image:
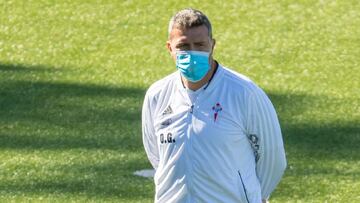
<point>167,111</point>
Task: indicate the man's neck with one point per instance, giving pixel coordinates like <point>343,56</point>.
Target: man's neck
<point>196,85</point>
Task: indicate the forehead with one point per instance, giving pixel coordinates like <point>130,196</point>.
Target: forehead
<point>198,33</point>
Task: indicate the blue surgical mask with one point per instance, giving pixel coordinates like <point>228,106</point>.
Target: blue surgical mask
<point>193,65</point>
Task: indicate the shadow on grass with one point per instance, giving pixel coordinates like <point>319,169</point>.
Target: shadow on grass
<point>315,140</point>
<point>46,115</point>
<point>21,68</point>
<point>51,115</point>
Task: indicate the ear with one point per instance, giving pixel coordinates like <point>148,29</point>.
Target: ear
<point>168,46</point>
<point>213,44</point>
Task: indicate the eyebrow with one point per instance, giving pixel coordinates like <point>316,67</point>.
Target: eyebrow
<point>185,42</point>
<point>182,43</point>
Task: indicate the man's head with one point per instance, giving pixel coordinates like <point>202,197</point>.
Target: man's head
<point>190,30</point>
<point>189,18</point>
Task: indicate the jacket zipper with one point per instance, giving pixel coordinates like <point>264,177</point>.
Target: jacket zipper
<point>190,115</point>
<point>242,182</point>
<point>192,109</point>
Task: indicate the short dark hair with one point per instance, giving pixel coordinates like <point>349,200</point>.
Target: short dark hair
<point>188,18</point>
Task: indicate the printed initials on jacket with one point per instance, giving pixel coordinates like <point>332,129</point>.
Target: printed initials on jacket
<point>166,138</point>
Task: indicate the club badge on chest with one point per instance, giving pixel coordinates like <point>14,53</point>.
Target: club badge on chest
<point>217,109</point>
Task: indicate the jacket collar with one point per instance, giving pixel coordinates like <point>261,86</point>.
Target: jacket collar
<point>216,79</point>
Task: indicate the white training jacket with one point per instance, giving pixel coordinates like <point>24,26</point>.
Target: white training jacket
<point>225,147</point>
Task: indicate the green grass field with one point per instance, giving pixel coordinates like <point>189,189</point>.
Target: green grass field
<point>73,75</point>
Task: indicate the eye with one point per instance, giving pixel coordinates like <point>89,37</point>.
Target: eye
<point>182,46</point>
<point>201,43</point>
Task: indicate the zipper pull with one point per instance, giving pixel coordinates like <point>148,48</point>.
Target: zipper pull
<point>192,108</point>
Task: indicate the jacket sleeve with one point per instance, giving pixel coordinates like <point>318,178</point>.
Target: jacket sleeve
<point>148,133</point>
<point>265,137</point>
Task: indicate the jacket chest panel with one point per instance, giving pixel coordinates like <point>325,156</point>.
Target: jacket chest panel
<point>206,124</point>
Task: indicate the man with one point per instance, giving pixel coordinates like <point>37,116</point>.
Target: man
<point>210,133</point>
